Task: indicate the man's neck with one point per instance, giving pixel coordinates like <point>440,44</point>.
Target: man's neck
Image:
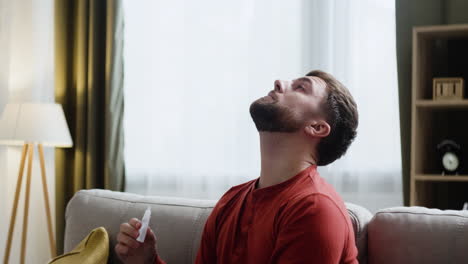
<point>282,157</point>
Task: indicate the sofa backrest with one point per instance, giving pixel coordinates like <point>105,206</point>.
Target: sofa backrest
<point>409,235</point>
<point>178,223</point>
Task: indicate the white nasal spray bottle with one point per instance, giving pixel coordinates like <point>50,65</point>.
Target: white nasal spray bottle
<point>144,225</point>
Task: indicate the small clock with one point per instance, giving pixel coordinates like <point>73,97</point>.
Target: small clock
<point>449,152</point>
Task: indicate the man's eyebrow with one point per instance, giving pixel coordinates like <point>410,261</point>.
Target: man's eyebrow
<point>304,79</point>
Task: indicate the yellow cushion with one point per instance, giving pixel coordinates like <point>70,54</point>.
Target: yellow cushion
<point>93,249</point>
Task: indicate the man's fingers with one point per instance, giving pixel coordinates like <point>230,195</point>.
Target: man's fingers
<point>121,250</point>
<point>150,236</point>
<point>128,241</point>
<point>135,223</point>
<point>129,230</point>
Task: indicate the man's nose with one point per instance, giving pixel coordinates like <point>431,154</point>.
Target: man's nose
<point>281,86</point>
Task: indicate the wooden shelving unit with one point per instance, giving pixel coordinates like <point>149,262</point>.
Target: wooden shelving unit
<point>438,51</point>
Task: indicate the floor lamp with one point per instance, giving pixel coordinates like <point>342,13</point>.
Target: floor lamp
<point>30,125</point>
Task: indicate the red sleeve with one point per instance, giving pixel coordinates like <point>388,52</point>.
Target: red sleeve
<point>159,260</point>
<point>312,230</point>
<point>207,251</point>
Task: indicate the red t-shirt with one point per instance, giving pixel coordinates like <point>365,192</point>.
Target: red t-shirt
<point>301,220</point>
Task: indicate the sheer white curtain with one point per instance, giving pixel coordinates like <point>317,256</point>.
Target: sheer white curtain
<point>194,67</point>
<point>355,41</point>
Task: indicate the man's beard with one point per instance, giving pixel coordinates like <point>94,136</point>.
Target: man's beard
<point>271,117</point>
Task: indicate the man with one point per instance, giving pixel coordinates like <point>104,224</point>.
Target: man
<point>289,214</point>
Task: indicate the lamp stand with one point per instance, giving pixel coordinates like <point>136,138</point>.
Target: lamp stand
<point>28,151</point>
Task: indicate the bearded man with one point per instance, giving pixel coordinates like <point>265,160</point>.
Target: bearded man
<point>289,214</point>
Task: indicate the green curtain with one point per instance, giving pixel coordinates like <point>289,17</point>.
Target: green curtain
<point>411,13</point>
<point>89,85</point>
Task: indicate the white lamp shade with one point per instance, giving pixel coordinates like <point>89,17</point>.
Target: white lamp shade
<point>42,123</point>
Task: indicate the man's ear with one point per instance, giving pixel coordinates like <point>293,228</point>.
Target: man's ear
<point>318,129</point>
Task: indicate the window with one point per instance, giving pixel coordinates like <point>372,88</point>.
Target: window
<point>193,68</point>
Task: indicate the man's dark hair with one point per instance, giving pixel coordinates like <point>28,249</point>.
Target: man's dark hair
<point>342,116</point>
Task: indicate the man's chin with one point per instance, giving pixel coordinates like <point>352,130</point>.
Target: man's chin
<point>270,117</point>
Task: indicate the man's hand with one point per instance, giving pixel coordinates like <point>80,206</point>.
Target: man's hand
<point>129,250</point>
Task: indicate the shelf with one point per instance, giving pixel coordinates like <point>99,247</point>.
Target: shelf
<point>442,104</point>
<point>441,178</point>
<point>453,31</point>
<point>432,126</point>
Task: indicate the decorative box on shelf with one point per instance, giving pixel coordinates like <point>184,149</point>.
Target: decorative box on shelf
<point>448,88</point>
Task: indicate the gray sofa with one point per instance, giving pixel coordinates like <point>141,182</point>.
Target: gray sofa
<point>393,235</point>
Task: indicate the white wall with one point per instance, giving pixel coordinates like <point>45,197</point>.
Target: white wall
<point>26,74</point>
